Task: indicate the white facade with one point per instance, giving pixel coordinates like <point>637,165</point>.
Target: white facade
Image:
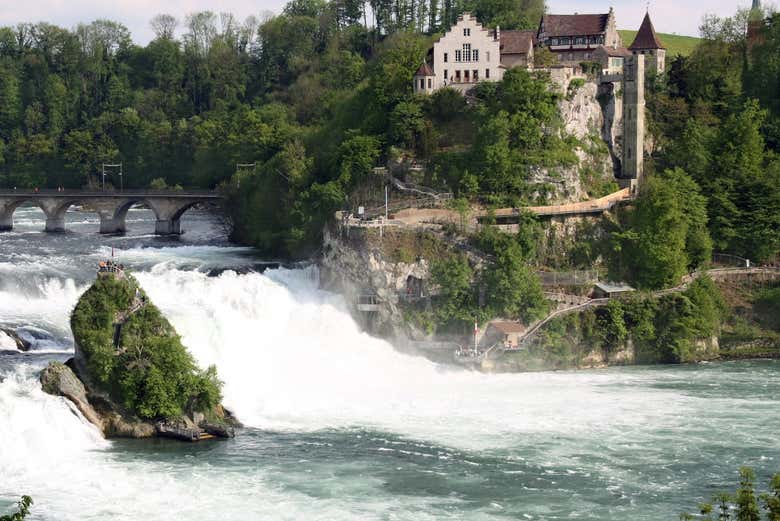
<point>467,53</point>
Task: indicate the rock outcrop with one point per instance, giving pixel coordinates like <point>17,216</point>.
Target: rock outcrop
<point>591,114</point>
<point>21,344</point>
<point>126,375</point>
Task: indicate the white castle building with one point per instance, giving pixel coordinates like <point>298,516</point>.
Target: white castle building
<point>466,54</point>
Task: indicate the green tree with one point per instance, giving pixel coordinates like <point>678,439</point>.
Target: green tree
<point>23,510</point>
<point>513,290</point>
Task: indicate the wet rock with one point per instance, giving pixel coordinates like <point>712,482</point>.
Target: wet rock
<point>21,343</point>
<point>59,380</point>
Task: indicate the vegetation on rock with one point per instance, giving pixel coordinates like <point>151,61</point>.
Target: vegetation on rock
<point>148,370</point>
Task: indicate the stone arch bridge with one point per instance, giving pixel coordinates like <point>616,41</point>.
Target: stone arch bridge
<point>111,207</point>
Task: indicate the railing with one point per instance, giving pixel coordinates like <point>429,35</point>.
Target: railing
<point>53,192</point>
<point>568,278</point>
<point>730,260</point>
<point>409,187</point>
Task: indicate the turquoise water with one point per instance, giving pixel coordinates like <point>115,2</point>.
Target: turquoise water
<point>339,424</point>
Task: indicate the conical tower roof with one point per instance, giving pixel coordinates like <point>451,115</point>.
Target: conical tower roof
<point>646,37</point>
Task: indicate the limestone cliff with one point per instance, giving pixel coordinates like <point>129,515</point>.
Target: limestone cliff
<point>592,116</point>
<point>357,265</point>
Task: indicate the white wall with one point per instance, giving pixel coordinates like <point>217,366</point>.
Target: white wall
<point>480,39</point>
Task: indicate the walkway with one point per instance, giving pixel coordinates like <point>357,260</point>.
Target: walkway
<point>418,217</point>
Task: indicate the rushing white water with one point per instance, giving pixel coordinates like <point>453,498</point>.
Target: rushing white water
<point>292,357</point>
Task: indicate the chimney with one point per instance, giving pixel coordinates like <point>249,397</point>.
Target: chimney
<point>497,34</point>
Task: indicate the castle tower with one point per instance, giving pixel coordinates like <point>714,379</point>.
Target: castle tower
<point>755,26</point>
<point>424,80</point>
<point>646,42</point>
<point>633,119</point>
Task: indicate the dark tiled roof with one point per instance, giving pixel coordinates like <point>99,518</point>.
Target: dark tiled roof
<point>517,42</point>
<point>574,24</point>
<point>424,70</point>
<point>617,52</point>
<point>646,37</point>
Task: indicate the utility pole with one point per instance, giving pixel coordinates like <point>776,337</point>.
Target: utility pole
<point>244,166</point>
<point>121,175</point>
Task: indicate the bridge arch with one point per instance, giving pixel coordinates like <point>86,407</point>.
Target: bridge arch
<point>57,211</point>
<point>8,208</point>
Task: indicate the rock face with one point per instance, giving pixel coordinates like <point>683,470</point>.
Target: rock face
<point>593,116</point>
<point>59,380</point>
<point>21,344</point>
<point>354,268</point>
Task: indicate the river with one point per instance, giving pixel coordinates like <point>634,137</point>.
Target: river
<point>339,424</point>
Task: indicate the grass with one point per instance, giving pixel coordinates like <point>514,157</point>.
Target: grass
<point>675,44</point>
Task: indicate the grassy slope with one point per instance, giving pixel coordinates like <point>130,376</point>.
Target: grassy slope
<point>675,44</point>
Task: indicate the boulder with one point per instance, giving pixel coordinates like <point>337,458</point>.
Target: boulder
<point>21,343</point>
<point>59,380</point>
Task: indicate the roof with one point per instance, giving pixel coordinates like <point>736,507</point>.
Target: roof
<point>508,327</point>
<point>424,70</point>
<point>614,287</point>
<point>646,37</point>
<point>616,52</point>
<point>517,42</point>
<point>574,24</point>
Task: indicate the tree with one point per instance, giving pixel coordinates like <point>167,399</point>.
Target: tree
<point>667,231</point>
<point>164,26</point>
<point>513,290</point>
<point>456,300</point>
<point>23,510</point>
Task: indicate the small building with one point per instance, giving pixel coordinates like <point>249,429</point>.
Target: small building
<point>647,42</point>
<point>575,37</point>
<point>517,48</point>
<point>611,289</point>
<point>508,333</point>
<point>423,80</point>
<point>611,59</point>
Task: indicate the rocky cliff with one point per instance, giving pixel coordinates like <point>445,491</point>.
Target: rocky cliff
<point>592,116</point>
<point>359,266</point>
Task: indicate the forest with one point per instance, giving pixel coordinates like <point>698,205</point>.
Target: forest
<point>315,97</point>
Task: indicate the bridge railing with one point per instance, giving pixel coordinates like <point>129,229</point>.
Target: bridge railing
<point>10,192</point>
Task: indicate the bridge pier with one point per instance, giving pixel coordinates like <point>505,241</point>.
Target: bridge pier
<point>110,223</point>
<point>55,223</point>
<point>167,227</point>
<point>6,222</point>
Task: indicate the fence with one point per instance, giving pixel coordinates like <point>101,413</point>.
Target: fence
<point>568,278</point>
